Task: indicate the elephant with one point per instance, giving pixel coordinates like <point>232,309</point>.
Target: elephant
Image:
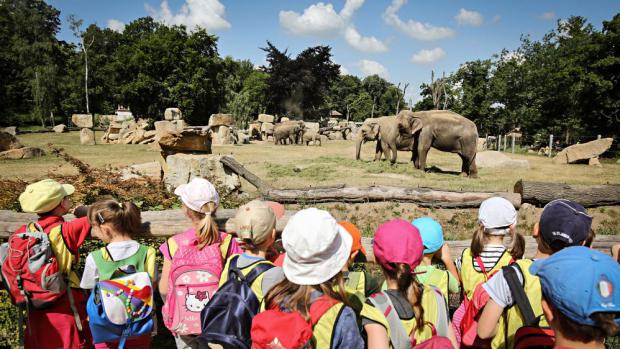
<point>289,130</point>
<point>443,130</point>
<point>384,130</point>
<point>311,136</point>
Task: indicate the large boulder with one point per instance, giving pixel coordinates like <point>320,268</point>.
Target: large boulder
<point>266,118</point>
<point>11,129</point>
<point>60,128</point>
<point>312,126</point>
<point>164,126</point>
<point>188,141</point>
<point>173,114</point>
<point>182,168</point>
<point>21,153</point>
<point>495,159</point>
<point>87,137</point>
<point>82,120</point>
<point>221,119</point>
<point>9,141</point>
<point>267,127</point>
<point>583,152</point>
<point>222,135</point>
<point>335,136</point>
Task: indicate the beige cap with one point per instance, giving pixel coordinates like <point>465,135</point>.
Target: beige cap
<point>255,220</point>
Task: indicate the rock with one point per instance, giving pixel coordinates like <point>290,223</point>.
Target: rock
<point>188,141</point>
<point>60,128</point>
<point>594,162</point>
<point>124,117</point>
<point>531,151</point>
<point>173,114</point>
<point>162,127</point>
<point>243,138</point>
<point>82,120</point>
<point>335,136</point>
<point>149,169</point>
<point>138,136</point>
<point>222,135</point>
<point>9,141</point>
<point>104,120</point>
<point>11,130</point>
<point>127,137</point>
<point>21,153</point>
<point>267,127</point>
<point>182,168</point>
<point>113,136</point>
<point>583,152</point>
<point>87,137</point>
<point>482,144</point>
<point>220,119</point>
<point>495,159</point>
<point>266,118</point>
<point>284,119</point>
<point>179,125</point>
<point>312,126</point>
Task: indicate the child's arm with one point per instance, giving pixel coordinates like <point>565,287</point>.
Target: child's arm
<point>74,233</point>
<point>90,273</point>
<point>446,258</point>
<point>377,336</point>
<point>615,252</point>
<point>487,324</point>
<point>163,280</point>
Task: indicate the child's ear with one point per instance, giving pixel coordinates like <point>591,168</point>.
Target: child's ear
<point>535,230</point>
<point>547,310</point>
<point>274,234</point>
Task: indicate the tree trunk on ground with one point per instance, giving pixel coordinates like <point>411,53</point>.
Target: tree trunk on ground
<point>540,193</point>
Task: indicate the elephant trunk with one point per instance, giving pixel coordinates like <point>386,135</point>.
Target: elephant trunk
<point>359,140</point>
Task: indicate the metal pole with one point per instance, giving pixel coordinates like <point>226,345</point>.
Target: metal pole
<point>598,137</point>
<point>499,143</point>
<point>505,142</point>
<point>550,144</point>
<point>513,142</point>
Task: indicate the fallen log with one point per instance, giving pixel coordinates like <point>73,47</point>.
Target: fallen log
<point>426,197</point>
<point>540,193</point>
<point>162,224</point>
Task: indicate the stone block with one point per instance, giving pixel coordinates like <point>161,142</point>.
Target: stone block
<point>583,152</point>
<point>9,141</point>
<point>11,130</point>
<point>21,153</point>
<point>266,118</point>
<point>220,119</point>
<point>594,162</point>
<point>60,128</point>
<point>87,137</point>
<point>182,168</point>
<point>149,169</point>
<point>82,120</point>
<point>173,114</point>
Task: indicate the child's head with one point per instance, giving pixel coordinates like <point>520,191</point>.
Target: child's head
<point>110,219</point>
<point>431,233</point>
<point>497,217</point>
<point>47,197</point>
<point>580,296</point>
<point>358,253</point>
<point>255,224</point>
<point>398,249</point>
<point>563,223</point>
<point>200,201</point>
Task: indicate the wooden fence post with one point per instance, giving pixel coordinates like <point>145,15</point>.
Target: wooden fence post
<point>513,142</point>
<point>550,144</point>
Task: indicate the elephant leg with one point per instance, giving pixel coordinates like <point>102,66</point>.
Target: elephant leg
<point>422,152</point>
<point>394,151</point>
<point>386,150</point>
<point>378,151</point>
<point>473,170</point>
<point>464,165</point>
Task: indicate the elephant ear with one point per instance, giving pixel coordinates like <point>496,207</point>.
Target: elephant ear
<point>376,130</point>
<point>416,125</point>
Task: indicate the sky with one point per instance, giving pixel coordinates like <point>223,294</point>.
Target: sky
<point>400,40</point>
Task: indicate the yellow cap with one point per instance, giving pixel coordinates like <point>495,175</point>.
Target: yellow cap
<point>44,196</point>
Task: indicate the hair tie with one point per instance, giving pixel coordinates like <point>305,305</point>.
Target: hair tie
<point>100,218</point>
<point>418,272</point>
<point>120,204</point>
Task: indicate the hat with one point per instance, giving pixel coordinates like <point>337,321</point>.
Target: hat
<point>44,196</point>
<point>497,212</point>
<point>397,241</point>
<point>317,248</point>
<point>197,193</point>
<point>255,221</point>
<point>355,234</point>
<point>579,281</point>
<point>564,221</point>
<point>277,208</point>
<point>431,233</point>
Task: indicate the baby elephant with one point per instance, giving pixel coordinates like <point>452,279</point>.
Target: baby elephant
<point>312,136</point>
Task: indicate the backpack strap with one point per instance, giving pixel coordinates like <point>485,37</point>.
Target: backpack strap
<point>259,268</point>
<point>319,307</point>
<point>518,294</point>
<point>481,265</point>
<point>398,336</point>
<point>441,327</point>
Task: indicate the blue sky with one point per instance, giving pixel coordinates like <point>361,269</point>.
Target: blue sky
<point>398,39</point>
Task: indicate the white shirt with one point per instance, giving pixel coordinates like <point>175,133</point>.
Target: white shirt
<point>118,250</point>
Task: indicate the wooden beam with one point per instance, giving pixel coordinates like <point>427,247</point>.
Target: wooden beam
<point>540,193</point>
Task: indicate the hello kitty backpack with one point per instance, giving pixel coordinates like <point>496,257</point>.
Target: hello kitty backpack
<point>194,277</point>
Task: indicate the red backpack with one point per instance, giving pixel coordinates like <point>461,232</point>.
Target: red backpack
<point>277,329</point>
<point>30,271</point>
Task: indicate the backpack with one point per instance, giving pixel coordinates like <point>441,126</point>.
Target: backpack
<point>30,270</point>
<point>227,318</point>
<point>531,335</point>
<point>121,304</point>
<point>194,278</point>
<point>275,328</point>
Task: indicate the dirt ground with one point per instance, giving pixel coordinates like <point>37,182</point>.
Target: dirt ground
<point>334,163</point>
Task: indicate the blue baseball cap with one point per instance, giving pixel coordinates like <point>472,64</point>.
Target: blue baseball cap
<point>564,222</point>
<point>579,281</point>
<point>431,232</point>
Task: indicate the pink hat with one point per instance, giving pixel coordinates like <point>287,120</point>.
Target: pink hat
<point>398,241</point>
<point>197,193</point>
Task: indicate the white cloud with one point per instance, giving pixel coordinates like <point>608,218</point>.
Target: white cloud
<point>549,16</point>
<point>415,29</point>
<point>369,67</point>
<point>428,56</point>
<point>116,25</point>
<point>364,44</point>
<point>208,14</point>
<point>466,17</point>
<point>344,70</point>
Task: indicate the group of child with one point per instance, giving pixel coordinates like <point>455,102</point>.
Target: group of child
<point>315,290</point>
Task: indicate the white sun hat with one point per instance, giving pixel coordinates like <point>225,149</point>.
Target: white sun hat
<point>197,193</point>
<point>497,212</point>
<point>317,247</point>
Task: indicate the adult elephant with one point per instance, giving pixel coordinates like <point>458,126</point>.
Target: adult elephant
<point>443,130</point>
<point>385,131</point>
<point>288,130</point>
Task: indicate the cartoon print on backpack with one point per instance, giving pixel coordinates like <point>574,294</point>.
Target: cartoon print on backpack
<point>196,302</point>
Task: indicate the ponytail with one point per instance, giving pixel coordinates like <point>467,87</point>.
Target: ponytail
<point>518,245</point>
<point>409,286</point>
<point>207,231</point>
<point>124,217</point>
<point>477,242</point>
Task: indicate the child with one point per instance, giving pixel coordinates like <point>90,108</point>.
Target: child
<point>317,249</point>
<point>64,325</point>
<point>116,224</point>
<point>563,223</point>
<point>200,201</point>
<point>434,246</point>
<point>407,310</point>
<point>580,297</point>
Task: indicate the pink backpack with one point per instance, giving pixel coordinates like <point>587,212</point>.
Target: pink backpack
<point>194,277</point>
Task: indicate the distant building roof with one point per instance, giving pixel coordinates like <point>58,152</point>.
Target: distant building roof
<point>335,113</point>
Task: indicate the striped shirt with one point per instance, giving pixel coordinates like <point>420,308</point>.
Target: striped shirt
<point>490,255</point>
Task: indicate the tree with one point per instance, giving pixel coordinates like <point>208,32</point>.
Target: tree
<point>84,44</point>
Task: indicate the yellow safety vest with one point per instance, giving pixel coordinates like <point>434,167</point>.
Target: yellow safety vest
<point>323,331</point>
<point>430,304</point>
<point>512,319</point>
<point>440,279</point>
<point>258,282</point>
<point>472,278</point>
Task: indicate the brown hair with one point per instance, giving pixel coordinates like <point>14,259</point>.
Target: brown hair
<point>123,217</point>
<point>293,297</point>
<point>480,238</point>
<point>207,231</point>
<point>606,326</point>
<point>409,286</point>
<point>544,247</point>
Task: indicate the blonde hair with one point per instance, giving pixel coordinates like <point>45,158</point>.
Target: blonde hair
<point>123,217</point>
<point>207,230</point>
<point>482,234</point>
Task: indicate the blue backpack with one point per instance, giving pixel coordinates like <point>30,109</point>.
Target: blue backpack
<point>227,318</point>
<point>121,306</point>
